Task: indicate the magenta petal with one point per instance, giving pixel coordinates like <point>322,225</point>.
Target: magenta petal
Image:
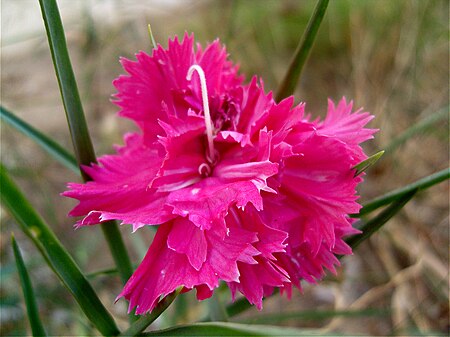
<point>190,240</point>
<point>226,250</point>
<point>254,278</point>
<point>209,200</point>
<point>161,272</point>
<point>120,188</point>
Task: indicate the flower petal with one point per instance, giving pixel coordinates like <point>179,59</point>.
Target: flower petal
<point>120,189</point>
<point>186,238</point>
<point>209,200</point>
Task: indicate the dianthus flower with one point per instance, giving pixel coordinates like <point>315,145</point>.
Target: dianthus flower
<point>244,189</point>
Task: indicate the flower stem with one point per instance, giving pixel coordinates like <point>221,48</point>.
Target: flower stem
<point>144,321</point>
<point>292,76</point>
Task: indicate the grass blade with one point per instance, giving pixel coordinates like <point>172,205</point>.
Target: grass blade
<point>292,76</point>
<point>77,124</point>
<point>48,144</point>
<point>370,227</point>
<point>230,329</point>
<point>84,150</point>
<point>30,300</point>
<point>144,321</point>
<point>55,254</point>
<point>420,185</point>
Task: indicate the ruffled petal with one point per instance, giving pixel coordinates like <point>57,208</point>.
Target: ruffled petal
<point>163,269</point>
<point>188,239</point>
<point>208,200</point>
<point>343,124</point>
<point>120,188</point>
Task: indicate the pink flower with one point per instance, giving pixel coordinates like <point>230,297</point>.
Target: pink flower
<point>243,189</point>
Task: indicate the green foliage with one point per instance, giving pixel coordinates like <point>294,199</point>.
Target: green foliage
<point>368,228</point>
<point>47,143</point>
<point>81,140</point>
<point>30,301</point>
<point>230,329</point>
<point>55,255</point>
<point>292,76</point>
<point>144,321</point>
<point>392,196</point>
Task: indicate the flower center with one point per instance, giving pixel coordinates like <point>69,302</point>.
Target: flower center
<point>211,154</point>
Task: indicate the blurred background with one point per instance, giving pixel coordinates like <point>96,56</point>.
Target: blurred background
<point>390,57</point>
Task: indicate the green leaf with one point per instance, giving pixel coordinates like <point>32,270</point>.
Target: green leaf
<point>292,76</point>
<point>365,164</point>
<point>55,255</point>
<point>48,144</point>
<point>30,300</point>
<point>84,150</point>
<point>387,198</point>
<point>230,329</point>
<point>370,227</point>
<point>77,124</point>
<point>144,321</point>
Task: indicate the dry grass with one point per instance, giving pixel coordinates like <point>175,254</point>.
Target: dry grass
<point>389,56</point>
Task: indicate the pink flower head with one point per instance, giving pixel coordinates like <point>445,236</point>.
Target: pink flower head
<point>244,189</point>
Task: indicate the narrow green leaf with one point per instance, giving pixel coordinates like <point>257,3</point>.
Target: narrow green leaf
<point>365,164</point>
<point>30,300</point>
<point>84,150</point>
<point>419,127</point>
<point>144,321</point>
<point>387,198</point>
<point>77,124</point>
<point>230,329</point>
<point>55,254</point>
<point>48,144</point>
<point>370,227</point>
<point>292,76</point>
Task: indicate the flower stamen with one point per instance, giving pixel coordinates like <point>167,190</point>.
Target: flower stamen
<point>211,154</point>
